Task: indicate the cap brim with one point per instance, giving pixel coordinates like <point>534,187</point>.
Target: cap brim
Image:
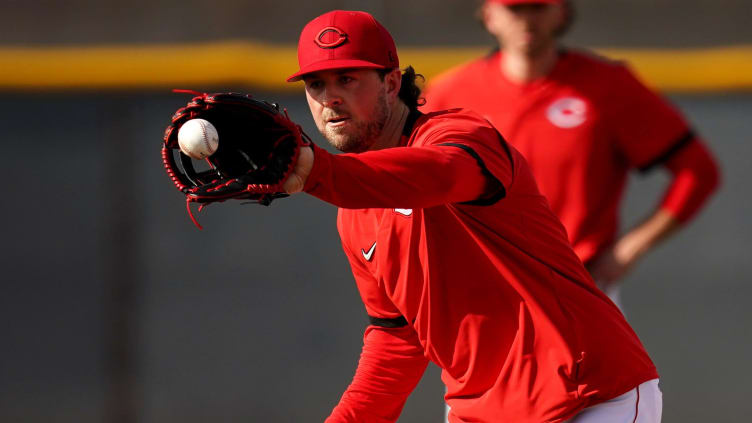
<point>333,64</point>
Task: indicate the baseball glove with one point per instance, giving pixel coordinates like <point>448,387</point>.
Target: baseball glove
<point>257,151</point>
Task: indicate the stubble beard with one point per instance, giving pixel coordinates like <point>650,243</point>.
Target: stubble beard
<point>361,135</point>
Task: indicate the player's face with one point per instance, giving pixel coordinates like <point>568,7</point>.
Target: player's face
<point>349,107</point>
<point>525,28</point>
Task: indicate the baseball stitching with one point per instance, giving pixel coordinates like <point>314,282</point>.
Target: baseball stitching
<point>206,138</point>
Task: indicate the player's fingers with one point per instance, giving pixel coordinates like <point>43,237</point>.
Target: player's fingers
<point>303,166</point>
<point>605,269</point>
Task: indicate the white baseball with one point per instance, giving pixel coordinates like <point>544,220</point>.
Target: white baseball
<point>198,138</point>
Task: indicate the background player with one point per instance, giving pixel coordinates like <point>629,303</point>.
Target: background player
<point>582,122</point>
<point>456,255</point>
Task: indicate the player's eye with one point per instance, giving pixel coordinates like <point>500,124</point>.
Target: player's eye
<point>345,79</point>
<point>315,84</point>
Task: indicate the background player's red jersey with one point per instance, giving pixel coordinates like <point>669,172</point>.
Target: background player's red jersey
<point>581,128</point>
<point>489,290</point>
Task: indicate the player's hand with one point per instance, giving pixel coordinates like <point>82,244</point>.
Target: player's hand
<point>297,179</point>
<point>607,269</point>
<point>616,262</point>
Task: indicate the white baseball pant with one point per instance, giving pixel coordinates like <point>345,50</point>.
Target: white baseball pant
<point>643,404</point>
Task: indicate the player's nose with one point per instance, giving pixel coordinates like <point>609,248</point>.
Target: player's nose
<point>331,100</point>
<point>331,97</point>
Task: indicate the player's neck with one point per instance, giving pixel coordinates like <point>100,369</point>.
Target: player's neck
<point>392,132</point>
<point>522,67</point>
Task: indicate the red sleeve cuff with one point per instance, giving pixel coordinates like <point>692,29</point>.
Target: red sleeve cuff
<point>321,159</point>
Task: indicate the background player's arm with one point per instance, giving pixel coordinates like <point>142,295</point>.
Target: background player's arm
<point>695,177</point>
<point>614,263</point>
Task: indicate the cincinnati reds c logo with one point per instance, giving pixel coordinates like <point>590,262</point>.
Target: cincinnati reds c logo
<point>567,112</point>
<point>339,39</point>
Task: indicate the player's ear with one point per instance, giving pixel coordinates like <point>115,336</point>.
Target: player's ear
<point>393,82</point>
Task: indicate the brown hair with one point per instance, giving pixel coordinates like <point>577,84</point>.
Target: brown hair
<point>409,91</point>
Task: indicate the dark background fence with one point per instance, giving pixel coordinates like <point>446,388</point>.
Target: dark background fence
<point>673,23</point>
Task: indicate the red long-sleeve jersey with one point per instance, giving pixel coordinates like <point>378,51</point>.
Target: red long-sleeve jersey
<point>451,243</point>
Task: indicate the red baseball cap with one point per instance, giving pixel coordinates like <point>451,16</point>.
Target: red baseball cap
<point>513,2</point>
<point>344,39</point>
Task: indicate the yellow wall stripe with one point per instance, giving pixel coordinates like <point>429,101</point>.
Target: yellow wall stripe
<point>265,66</point>
<point>691,70</point>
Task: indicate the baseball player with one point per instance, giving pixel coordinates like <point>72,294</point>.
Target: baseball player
<point>582,122</point>
<point>457,257</point>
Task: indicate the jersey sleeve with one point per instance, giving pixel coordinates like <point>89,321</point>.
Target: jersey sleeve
<point>695,177</point>
<point>396,177</point>
<point>457,162</point>
<point>646,128</point>
<point>479,139</point>
<point>391,365</point>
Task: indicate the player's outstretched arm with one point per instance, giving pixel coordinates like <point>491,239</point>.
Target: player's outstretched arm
<point>413,177</point>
